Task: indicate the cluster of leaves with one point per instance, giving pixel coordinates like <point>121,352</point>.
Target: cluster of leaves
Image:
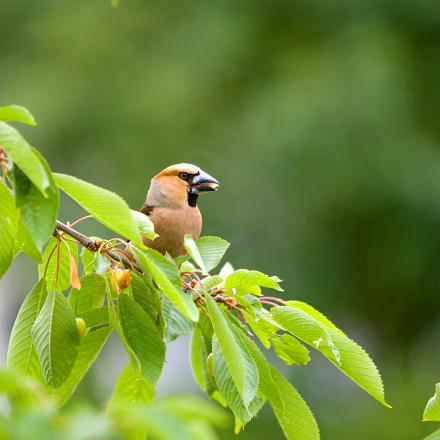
<point>66,319</point>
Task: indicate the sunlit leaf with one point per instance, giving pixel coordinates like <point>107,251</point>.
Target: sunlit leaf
<point>211,250</point>
<point>193,251</point>
<point>432,410</point>
<point>105,206</point>
<point>310,326</point>
<point>245,278</point>
<point>290,350</point>
<point>145,225</point>
<point>16,113</point>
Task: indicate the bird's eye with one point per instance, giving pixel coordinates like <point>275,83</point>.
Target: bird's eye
<point>183,176</point>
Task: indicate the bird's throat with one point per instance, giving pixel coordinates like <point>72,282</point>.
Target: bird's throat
<point>192,199</point>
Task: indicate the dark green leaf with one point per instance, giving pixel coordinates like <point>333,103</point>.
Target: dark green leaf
<point>88,351</point>
<point>146,295</point>
<point>58,262</point>
<point>55,338</point>
<point>90,296</point>
<point>21,354</point>
<point>24,156</point>
<point>38,212</point>
<point>95,317</point>
<point>166,275</point>
<point>294,416</point>
<point>142,336</point>
<point>8,227</point>
<point>23,242</point>
<point>199,356</point>
<point>241,366</point>
<point>176,323</point>
<point>243,412</point>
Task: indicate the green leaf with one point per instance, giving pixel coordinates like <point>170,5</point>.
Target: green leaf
<point>88,351</point>
<point>95,317</point>
<point>105,206</point>
<point>90,296</point>
<point>16,113</point>
<point>23,242</point>
<point>193,251</point>
<point>166,275</point>
<point>55,338</point>
<point>241,366</point>
<point>211,250</point>
<point>8,227</point>
<point>434,436</point>
<point>263,328</point>
<point>131,388</point>
<point>244,413</point>
<point>145,225</point>
<point>62,281</point>
<point>24,156</point>
<point>199,356</point>
<point>176,324</point>
<point>21,353</point>
<point>38,211</point>
<point>142,337</point>
<point>432,410</point>
<point>292,412</point>
<point>94,261</point>
<point>313,328</point>
<point>146,295</point>
<point>290,350</point>
<point>248,278</point>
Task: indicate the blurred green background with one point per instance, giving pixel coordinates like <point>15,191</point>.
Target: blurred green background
<point>319,118</point>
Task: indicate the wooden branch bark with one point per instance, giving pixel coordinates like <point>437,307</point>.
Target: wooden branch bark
<point>93,246</point>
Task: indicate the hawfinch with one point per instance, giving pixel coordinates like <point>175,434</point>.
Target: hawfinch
<point>171,204</point>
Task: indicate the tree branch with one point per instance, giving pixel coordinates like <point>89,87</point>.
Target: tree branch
<point>93,246</point>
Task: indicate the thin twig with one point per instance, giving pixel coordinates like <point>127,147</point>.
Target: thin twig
<point>93,246</point>
<point>272,298</point>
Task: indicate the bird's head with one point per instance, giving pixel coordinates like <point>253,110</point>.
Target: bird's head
<point>180,184</point>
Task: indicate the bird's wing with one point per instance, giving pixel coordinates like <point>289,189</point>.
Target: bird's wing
<point>146,209</point>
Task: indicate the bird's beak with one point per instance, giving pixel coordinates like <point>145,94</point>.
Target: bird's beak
<point>203,182</point>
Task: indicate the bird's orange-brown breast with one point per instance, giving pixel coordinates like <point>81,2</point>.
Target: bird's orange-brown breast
<point>172,225</point>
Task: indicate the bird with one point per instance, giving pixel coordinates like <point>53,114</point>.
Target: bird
<point>171,204</point>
